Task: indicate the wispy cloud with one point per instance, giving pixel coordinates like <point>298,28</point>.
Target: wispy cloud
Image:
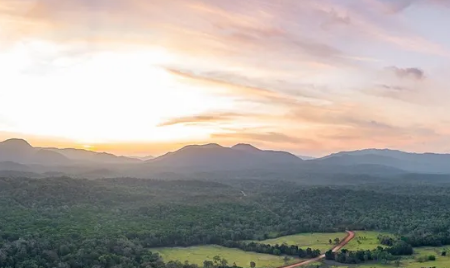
<point>240,90</point>
<point>307,71</point>
<point>272,137</point>
<point>397,6</point>
<point>259,90</point>
<point>412,73</point>
<point>392,87</point>
<point>203,118</point>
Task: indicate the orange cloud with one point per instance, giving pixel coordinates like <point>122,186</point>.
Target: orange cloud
<point>271,137</point>
<point>246,92</point>
<point>305,67</point>
<point>203,118</point>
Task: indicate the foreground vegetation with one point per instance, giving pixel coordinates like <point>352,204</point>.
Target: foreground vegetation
<point>63,222</point>
<point>420,259</point>
<point>365,240</point>
<point>199,254</point>
<point>320,241</point>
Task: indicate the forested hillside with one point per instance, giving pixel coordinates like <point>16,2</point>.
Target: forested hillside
<point>58,217</point>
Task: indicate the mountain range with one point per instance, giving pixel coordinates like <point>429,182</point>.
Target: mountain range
<point>412,162</point>
<point>21,152</point>
<point>19,157</point>
<point>212,157</point>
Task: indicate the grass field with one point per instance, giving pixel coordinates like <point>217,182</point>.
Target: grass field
<point>364,240</point>
<point>312,240</point>
<point>199,254</point>
<point>411,262</point>
<point>441,261</point>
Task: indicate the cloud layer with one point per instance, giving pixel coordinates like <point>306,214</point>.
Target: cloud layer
<point>309,76</point>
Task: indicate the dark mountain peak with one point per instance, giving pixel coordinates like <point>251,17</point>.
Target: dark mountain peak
<point>16,143</point>
<point>20,151</point>
<point>204,146</point>
<point>407,161</point>
<point>211,145</point>
<point>379,150</point>
<point>245,147</point>
<point>369,151</point>
<point>212,157</point>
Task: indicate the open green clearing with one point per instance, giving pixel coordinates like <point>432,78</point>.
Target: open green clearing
<point>412,261</point>
<point>441,261</point>
<point>198,255</point>
<point>311,240</point>
<point>365,240</point>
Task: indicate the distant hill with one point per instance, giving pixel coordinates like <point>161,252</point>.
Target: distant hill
<point>216,157</point>
<point>16,150</point>
<point>90,156</point>
<point>18,157</point>
<point>20,151</point>
<point>411,162</point>
<point>143,158</point>
<point>268,155</point>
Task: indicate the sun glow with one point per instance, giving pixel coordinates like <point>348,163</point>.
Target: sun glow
<point>107,97</point>
<point>87,147</point>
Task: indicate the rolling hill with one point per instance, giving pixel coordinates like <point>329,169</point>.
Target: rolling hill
<point>411,162</point>
<point>18,156</point>
<point>215,157</point>
<point>95,157</point>
<point>21,152</point>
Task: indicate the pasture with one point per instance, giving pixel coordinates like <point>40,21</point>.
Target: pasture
<point>311,240</point>
<point>418,260</point>
<point>199,254</point>
<point>365,240</point>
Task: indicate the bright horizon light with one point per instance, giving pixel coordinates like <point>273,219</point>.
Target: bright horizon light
<point>108,97</point>
<point>313,77</point>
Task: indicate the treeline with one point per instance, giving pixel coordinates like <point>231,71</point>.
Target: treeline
<point>402,214</point>
<point>398,248</point>
<point>283,249</point>
<point>354,257</point>
<point>417,240</point>
<point>432,238</point>
<point>95,253</point>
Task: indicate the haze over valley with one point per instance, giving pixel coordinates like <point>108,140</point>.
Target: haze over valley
<point>18,157</point>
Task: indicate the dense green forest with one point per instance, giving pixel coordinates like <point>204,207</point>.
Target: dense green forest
<point>384,254</point>
<point>64,222</point>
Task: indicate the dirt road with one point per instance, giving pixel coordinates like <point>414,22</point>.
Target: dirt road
<point>348,238</point>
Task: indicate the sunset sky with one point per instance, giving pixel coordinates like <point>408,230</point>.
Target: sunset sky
<point>138,77</point>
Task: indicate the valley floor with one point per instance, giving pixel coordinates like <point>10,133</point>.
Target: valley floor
<point>311,240</point>
<point>197,255</point>
<point>365,240</point>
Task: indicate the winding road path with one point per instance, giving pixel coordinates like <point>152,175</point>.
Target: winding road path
<point>348,238</point>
